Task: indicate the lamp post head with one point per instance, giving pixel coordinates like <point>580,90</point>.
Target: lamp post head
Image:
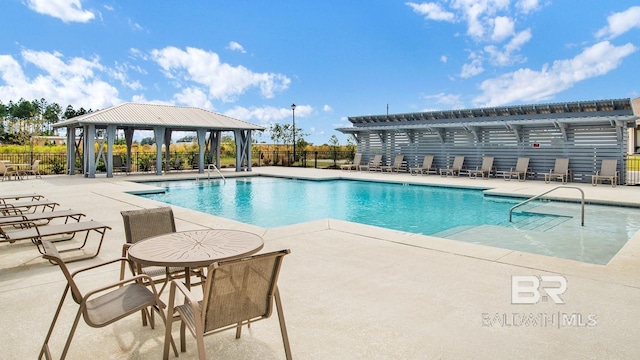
<point>293,107</point>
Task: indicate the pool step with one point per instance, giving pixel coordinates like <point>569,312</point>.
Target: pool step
<point>536,221</point>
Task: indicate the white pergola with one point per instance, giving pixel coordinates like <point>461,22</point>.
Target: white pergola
<point>101,126</point>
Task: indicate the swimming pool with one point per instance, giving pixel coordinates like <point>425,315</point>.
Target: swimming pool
<point>468,215</point>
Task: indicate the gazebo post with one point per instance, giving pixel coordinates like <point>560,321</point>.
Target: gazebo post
<point>202,135</point>
<point>111,134</point>
<point>158,132</point>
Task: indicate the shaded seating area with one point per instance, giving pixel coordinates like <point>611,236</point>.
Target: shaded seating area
<point>102,305</point>
<point>374,165</point>
<point>560,171</point>
<point>520,172</point>
<point>396,166</point>
<point>608,172</point>
<point>354,165</point>
<point>455,169</point>
<point>236,293</point>
<point>485,169</point>
<point>427,167</point>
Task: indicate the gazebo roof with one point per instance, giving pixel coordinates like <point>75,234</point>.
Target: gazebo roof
<point>148,116</point>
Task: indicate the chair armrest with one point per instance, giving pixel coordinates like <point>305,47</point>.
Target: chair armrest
<point>188,297</point>
<point>137,279</point>
<point>98,265</point>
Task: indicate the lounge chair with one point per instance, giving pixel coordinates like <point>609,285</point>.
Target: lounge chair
<point>608,171</point>
<point>41,218</point>
<point>31,231</point>
<point>142,224</point>
<point>102,305</point>
<point>10,208</point>
<point>485,169</point>
<point>33,170</point>
<point>373,165</point>
<point>522,167</point>
<point>455,169</point>
<point>397,164</point>
<point>560,171</point>
<point>426,168</point>
<point>4,198</point>
<point>7,171</point>
<point>236,293</point>
<point>354,165</point>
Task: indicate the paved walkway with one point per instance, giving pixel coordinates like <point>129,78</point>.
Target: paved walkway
<point>349,291</point>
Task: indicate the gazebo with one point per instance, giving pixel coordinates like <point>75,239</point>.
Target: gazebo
<point>101,126</point>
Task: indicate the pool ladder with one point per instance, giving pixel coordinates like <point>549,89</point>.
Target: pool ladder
<point>209,167</point>
<point>545,193</point>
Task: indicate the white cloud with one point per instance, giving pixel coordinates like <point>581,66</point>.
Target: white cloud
<point>506,56</point>
<point>234,46</point>
<point>432,11</point>
<point>193,97</point>
<point>473,68</point>
<point>74,81</point>
<point>527,6</point>
<point>503,27</point>
<point>224,82</point>
<point>451,101</point>
<point>269,114</point>
<point>444,59</point>
<point>531,86</point>
<point>620,23</point>
<point>327,108</point>
<point>65,10</point>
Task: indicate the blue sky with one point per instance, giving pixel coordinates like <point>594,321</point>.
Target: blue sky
<point>252,59</point>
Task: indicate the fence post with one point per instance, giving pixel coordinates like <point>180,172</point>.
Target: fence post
<point>315,160</point>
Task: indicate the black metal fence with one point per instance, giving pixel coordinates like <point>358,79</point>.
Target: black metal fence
<point>56,163</point>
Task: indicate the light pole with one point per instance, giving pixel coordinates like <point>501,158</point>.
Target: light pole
<point>293,109</point>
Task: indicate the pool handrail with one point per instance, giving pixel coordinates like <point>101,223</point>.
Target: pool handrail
<point>545,193</point>
<point>216,168</point>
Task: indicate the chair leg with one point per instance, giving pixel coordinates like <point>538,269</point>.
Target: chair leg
<point>283,327</point>
<point>45,346</point>
<point>73,330</point>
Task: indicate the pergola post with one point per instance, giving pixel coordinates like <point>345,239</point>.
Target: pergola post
<point>128,137</point>
<point>167,148</point>
<point>89,151</point>
<point>71,150</point>
<point>202,137</point>
<point>111,134</point>
<point>158,132</point>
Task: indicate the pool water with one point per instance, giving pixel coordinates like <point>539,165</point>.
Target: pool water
<point>541,227</point>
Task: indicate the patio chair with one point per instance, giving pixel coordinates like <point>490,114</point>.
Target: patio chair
<point>397,164</point>
<point>236,293</point>
<point>118,165</point>
<point>373,165</point>
<point>33,170</point>
<point>522,167</point>
<point>7,171</point>
<point>31,231</point>
<point>142,224</point>
<point>608,171</point>
<point>455,169</point>
<point>485,169</point>
<point>560,171</point>
<point>357,159</point>
<point>102,305</point>
<point>426,168</point>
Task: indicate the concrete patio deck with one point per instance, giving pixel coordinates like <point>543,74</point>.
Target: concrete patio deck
<point>349,291</point>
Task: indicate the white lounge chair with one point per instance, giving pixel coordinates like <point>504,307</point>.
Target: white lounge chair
<point>485,169</point>
<point>397,164</point>
<point>608,171</point>
<point>455,169</point>
<point>426,168</point>
<point>560,171</point>
<point>522,167</point>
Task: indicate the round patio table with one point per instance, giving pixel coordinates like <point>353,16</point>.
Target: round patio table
<point>195,248</point>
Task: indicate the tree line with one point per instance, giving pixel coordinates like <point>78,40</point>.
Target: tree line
<point>22,119</point>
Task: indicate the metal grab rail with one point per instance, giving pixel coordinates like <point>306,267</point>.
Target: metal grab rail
<point>545,193</point>
<point>216,168</point>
